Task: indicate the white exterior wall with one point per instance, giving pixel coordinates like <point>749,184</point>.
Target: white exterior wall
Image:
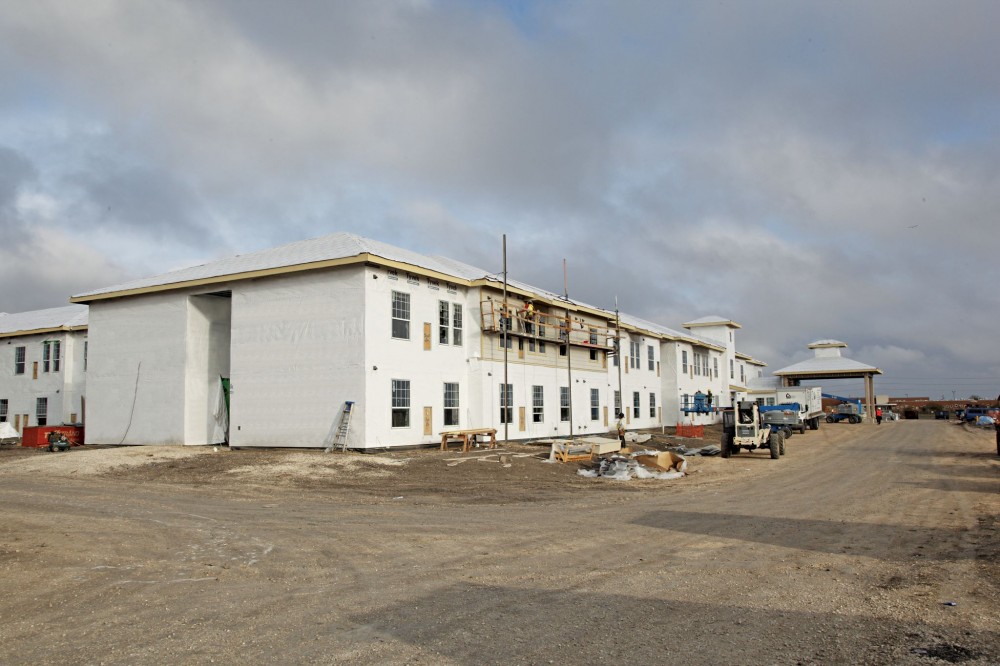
<point>637,377</point>
<point>427,370</point>
<point>690,382</point>
<point>297,354</point>
<point>136,373</point>
<point>63,389</point>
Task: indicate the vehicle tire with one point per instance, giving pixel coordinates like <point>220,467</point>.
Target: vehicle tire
<point>726,445</point>
<point>786,432</point>
<point>781,447</point>
<point>829,419</point>
<point>855,419</point>
<point>814,423</point>
<point>775,442</point>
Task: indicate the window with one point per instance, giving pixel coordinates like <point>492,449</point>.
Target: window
<point>562,350</point>
<point>504,338</point>
<point>449,323</point>
<point>686,401</point>
<point>651,357</point>
<point>634,350</point>
<point>3,410</point>
<point>595,404</point>
<point>400,403</point>
<point>731,375</point>
<point>652,405</point>
<point>50,356</point>
<point>541,346</point>
<point>456,325</point>
<point>451,403</point>
<point>42,411</point>
<point>18,360</point>
<point>684,361</point>
<point>537,404</point>
<point>593,341</point>
<point>618,403</point>
<point>506,403</point>
<point>444,322</point>
<point>704,365</point>
<point>742,376</point>
<point>770,401</point>
<point>564,403</point>
<point>617,351</point>
<point>697,363</point>
<point>85,343</point>
<point>400,315</point>
<point>635,405</point>
<point>715,367</point>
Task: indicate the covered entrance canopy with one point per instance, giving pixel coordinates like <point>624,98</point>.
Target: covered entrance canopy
<point>829,363</point>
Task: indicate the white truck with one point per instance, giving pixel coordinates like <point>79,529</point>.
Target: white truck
<point>810,401</point>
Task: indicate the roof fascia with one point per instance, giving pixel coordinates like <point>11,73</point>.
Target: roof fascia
<point>40,331</point>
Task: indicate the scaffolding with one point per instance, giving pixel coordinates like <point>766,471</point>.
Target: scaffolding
<point>560,329</point>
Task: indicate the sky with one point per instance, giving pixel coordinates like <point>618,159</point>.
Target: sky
<point>811,170</point>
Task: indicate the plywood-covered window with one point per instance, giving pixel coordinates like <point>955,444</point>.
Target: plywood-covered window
<point>400,315</point>
<point>400,403</point>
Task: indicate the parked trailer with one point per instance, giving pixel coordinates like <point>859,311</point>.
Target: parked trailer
<point>810,402</point>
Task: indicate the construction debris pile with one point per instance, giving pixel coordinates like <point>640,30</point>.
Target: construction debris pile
<point>661,465</point>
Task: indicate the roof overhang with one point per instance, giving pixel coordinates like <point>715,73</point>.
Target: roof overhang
<point>42,331</point>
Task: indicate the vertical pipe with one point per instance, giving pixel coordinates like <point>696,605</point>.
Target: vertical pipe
<point>569,350</point>
<point>506,322</point>
<point>618,344</point>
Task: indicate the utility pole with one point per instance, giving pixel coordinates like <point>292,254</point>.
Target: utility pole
<point>505,322</point>
<point>569,350</point>
<point>618,357</point>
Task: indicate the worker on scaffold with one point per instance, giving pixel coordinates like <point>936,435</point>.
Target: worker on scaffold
<point>529,317</point>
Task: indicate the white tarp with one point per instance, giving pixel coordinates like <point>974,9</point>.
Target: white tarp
<point>7,432</point>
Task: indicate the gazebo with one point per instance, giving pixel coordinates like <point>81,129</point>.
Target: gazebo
<point>830,363</point>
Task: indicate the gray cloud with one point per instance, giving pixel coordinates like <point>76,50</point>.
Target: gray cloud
<point>808,169</point>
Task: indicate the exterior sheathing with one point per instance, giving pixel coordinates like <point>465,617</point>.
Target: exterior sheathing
<point>298,353</point>
<point>136,370</point>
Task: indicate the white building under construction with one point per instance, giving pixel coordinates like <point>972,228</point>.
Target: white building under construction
<point>264,349</point>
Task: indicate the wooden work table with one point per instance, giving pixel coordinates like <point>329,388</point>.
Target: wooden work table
<point>468,438</point>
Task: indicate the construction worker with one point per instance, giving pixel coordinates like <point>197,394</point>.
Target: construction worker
<point>621,429</point>
<point>529,317</point>
<point>878,416</point>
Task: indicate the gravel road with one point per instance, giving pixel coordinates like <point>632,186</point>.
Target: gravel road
<point>862,545</point>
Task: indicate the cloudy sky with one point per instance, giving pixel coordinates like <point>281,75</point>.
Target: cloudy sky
<point>808,169</point>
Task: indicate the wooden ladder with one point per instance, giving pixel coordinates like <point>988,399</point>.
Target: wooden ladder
<point>338,434</point>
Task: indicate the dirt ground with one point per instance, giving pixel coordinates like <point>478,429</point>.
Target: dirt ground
<point>862,545</point>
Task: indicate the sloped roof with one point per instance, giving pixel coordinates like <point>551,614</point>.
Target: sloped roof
<point>62,318</point>
<point>337,246</point>
<point>343,247</point>
<point>830,364</point>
